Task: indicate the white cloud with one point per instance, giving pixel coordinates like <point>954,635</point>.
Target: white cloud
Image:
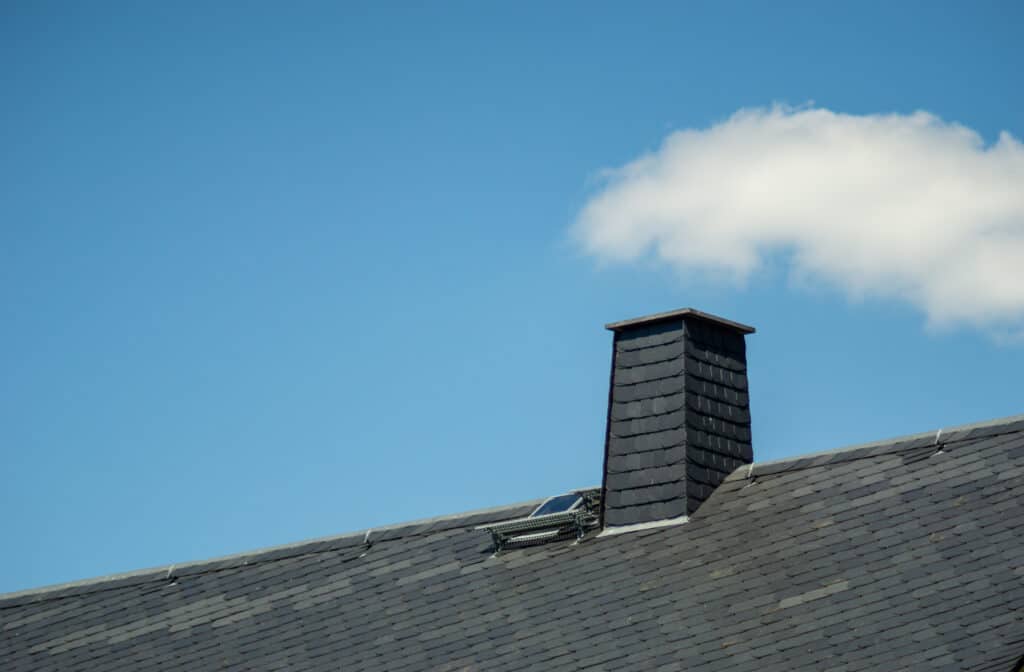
<point>908,207</point>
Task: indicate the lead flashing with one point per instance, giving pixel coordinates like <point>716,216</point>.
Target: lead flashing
<point>639,527</point>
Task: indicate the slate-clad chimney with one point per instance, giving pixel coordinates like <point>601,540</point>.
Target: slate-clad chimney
<point>678,415</point>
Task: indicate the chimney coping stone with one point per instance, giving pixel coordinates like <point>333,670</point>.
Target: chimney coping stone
<point>678,314</point>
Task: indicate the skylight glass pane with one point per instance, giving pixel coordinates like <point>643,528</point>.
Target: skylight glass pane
<point>556,505</point>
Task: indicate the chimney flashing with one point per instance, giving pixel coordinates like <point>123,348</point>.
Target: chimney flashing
<point>675,315</point>
<point>639,527</point>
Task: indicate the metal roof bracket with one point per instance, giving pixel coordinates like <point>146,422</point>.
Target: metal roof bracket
<point>535,530</point>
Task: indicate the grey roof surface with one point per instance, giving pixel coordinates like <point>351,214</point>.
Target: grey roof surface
<point>890,556</point>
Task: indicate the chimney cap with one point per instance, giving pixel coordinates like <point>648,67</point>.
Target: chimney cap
<point>677,314</point>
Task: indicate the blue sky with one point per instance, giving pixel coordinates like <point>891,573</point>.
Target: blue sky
<point>270,273</point>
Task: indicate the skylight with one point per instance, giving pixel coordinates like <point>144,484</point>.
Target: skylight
<point>568,516</point>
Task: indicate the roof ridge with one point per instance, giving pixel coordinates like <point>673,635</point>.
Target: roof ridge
<point>335,542</point>
<point>943,436</point>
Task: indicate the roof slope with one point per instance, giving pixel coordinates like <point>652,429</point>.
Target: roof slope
<point>889,556</point>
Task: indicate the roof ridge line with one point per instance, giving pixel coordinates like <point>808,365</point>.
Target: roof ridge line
<point>942,435</point>
<point>394,532</point>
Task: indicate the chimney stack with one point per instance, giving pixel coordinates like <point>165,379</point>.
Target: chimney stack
<point>678,416</point>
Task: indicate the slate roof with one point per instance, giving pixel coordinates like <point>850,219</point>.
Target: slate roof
<point>890,556</point>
